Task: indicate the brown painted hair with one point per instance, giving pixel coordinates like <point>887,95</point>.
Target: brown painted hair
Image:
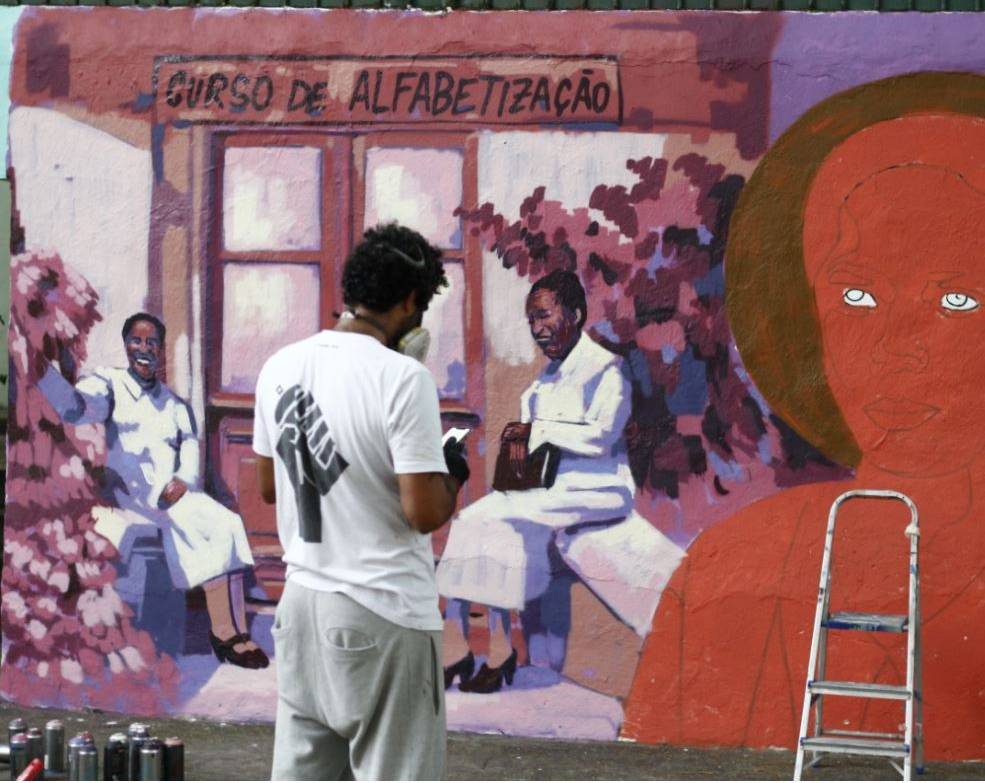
<point>769,299</point>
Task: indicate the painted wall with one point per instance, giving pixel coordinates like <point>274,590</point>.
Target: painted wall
<point>770,216</point>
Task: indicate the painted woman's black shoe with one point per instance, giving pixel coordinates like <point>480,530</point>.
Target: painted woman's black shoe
<point>488,680</point>
<point>462,669</point>
<point>226,651</point>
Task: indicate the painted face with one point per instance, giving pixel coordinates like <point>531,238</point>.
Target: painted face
<point>554,328</point>
<point>143,347</point>
<point>901,301</point>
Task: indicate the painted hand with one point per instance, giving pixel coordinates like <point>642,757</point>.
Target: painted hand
<point>173,492</point>
<point>515,438</point>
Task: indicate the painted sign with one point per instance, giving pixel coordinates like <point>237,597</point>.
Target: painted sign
<point>486,90</point>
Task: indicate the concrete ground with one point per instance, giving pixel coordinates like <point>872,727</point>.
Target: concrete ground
<point>230,751</point>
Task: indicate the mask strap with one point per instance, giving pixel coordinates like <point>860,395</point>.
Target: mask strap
<point>372,322</point>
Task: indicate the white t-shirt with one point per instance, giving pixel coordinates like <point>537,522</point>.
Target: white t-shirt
<point>342,415</point>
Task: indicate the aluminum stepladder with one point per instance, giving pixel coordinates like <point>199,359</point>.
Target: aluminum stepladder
<point>907,746</point>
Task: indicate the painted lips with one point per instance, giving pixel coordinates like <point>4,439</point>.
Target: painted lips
<point>899,413</point>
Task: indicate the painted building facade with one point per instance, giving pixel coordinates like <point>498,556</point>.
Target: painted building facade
<point>721,185</point>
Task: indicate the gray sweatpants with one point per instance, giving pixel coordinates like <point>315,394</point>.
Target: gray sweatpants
<point>357,696</point>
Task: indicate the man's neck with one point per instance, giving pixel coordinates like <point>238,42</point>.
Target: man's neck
<point>363,323</point>
<point>147,384</point>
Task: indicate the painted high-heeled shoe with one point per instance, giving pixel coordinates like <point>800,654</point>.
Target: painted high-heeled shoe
<point>488,680</point>
<point>225,650</point>
<point>463,669</point>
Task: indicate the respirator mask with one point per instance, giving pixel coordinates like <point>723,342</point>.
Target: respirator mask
<point>415,343</point>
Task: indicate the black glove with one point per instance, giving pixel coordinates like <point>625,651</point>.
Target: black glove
<point>458,466</point>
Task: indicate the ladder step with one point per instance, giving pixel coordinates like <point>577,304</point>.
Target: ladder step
<point>863,621</point>
<point>856,747</point>
<point>862,690</point>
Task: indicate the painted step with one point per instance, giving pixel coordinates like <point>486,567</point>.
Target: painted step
<point>863,621</point>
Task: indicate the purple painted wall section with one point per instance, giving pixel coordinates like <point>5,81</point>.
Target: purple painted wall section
<point>818,55</point>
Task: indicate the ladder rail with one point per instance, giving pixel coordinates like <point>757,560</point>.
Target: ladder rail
<point>912,645</point>
<point>819,613</point>
<point>818,653</point>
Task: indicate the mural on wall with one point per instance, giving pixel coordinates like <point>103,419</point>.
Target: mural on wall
<point>675,343</point>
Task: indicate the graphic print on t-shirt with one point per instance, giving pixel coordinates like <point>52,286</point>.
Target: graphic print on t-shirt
<point>312,461</point>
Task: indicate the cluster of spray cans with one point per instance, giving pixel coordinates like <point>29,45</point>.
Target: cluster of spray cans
<point>136,755</point>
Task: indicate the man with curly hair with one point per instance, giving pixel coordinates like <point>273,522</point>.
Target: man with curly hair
<point>348,438</point>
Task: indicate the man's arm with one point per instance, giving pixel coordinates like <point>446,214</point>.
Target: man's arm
<point>427,499</point>
<point>88,403</point>
<point>186,476</point>
<point>420,460</point>
<point>265,479</point>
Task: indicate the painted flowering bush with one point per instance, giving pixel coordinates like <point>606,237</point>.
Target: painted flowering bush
<point>653,271</point>
<point>67,634</point>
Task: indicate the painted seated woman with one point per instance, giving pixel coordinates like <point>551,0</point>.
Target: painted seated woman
<point>856,274</point>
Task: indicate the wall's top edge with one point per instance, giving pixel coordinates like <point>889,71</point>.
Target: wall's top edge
<point>439,6</point>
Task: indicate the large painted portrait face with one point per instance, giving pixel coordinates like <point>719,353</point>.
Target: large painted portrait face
<point>894,248</point>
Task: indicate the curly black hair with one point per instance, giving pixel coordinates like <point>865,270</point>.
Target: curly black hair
<point>390,263</point>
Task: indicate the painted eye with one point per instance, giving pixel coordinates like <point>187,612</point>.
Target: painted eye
<point>959,302</point>
<point>856,297</point>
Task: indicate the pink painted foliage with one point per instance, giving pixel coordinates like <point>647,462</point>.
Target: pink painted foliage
<point>70,639</point>
<point>653,272</point>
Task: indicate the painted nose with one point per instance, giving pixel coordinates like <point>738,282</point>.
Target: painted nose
<point>903,346</point>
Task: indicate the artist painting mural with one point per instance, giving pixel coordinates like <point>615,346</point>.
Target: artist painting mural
<point>690,302</point>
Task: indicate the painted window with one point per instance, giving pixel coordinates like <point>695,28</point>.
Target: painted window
<point>256,297</point>
<point>421,188</point>
<point>271,199</point>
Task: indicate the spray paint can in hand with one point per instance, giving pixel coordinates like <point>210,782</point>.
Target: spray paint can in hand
<point>174,759</point>
<point>137,734</point>
<point>54,749</point>
<point>152,760</point>
<point>18,754</point>
<point>16,726</point>
<point>115,763</point>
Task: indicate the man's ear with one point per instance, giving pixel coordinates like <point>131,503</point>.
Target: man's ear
<point>410,302</point>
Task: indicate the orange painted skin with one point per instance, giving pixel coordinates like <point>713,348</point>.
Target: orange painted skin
<point>894,247</point>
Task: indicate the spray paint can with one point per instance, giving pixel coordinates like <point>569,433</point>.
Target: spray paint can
<point>115,763</point>
<point>5,754</point>
<point>152,760</point>
<point>88,761</point>
<point>18,754</point>
<point>35,744</point>
<point>75,746</point>
<point>54,748</point>
<point>16,726</point>
<point>174,759</point>
<point>137,735</point>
